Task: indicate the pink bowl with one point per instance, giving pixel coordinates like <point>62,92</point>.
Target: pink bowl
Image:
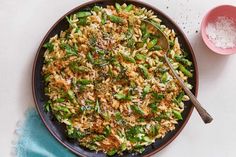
<point>223,10</point>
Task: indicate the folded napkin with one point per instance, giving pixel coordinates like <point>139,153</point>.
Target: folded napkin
<point>36,141</point>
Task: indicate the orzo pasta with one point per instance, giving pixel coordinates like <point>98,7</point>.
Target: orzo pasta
<point>107,80</point>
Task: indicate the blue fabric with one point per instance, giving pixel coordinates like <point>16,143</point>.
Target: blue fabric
<point>36,141</point>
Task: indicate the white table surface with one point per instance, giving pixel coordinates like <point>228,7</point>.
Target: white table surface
<point>23,24</point>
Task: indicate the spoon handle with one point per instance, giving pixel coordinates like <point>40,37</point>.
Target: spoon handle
<point>206,117</point>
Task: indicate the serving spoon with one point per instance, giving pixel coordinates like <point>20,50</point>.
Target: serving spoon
<point>164,43</point>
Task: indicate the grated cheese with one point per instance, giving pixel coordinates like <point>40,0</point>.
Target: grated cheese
<point>222,32</point>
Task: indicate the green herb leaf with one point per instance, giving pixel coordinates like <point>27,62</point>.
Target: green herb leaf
<point>157,96</point>
<point>153,107</point>
<point>83,14</point>
<point>104,18</point>
<point>90,57</point>
<point>70,51</point>
<point>144,71</point>
<point>183,60</point>
<point>146,90</point>
<point>115,19</point>
<point>60,100</point>
<point>139,56</point>
<point>49,46</point>
<point>99,138</point>
<point>47,105</point>
<point>136,109</point>
<point>118,7</point>
<point>121,96</point>
<point>129,59</point>
<point>177,115</point>
<point>84,81</point>
<point>107,130</point>
<point>97,8</point>
<point>128,8</point>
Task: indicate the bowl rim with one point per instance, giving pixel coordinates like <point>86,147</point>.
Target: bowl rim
<point>126,1</point>
<point>206,40</point>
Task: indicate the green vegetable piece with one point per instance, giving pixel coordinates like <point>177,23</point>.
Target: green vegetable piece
<point>156,24</point>
<point>60,100</point>
<point>70,51</point>
<point>143,28</point>
<point>111,152</point>
<point>185,71</point>
<point>139,56</point>
<point>177,115</point>
<point>139,148</point>
<point>97,107</point>
<point>84,81</point>
<point>90,57</point>
<point>107,130</point>
<point>139,44</point>
<point>180,97</point>
<point>47,105</point>
<point>152,43</point>
<point>83,14</point>
<point>129,59</point>
<point>141,119</point>
<point>74,133</point>
<point>99,138</point>
<point>104,18</point>
<point>118,7</point>
<point>183,60</point>
<point>158,96</point>
<point>153,107</point>
<point>115,19</point>
<point>164,77</point>
<point>118,117</point>
<point>144,71</point>
<point>46,77</point>
<point>62,108</point>
<point>131,43</point>
<point>75,68</point>
<point>120,96</point>
<point>49,46</point>
<point>71,94</point>
<point>106,116</point>
<point>146,90</point>
<point>69,21</point>
<point>123,147</point>
<point>154,130</point>
<point>145,37</point>
<point>97,8</point>
<point>136,109</point>
<point>156,48</point>
<point>83,21</point>
<point>171,43</point>
<point>128,8</point>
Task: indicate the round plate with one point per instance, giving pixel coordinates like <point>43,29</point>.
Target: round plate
<point>58,130</point>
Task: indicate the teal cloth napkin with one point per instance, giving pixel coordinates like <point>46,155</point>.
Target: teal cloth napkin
<point>36,141</point>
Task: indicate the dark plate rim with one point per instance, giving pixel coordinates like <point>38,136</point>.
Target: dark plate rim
<point>128,1</point>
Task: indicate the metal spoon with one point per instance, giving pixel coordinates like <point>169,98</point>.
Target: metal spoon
<point>165,46</point>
